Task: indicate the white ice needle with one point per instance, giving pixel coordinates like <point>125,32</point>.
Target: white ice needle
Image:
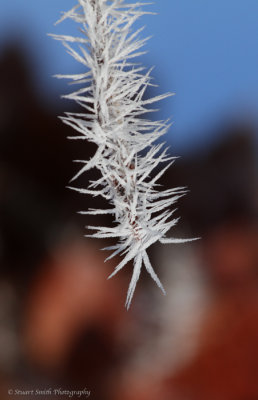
<point>112,96</point>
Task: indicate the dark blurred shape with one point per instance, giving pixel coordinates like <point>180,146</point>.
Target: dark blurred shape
<point>36,165</point>
<point>222,180</point>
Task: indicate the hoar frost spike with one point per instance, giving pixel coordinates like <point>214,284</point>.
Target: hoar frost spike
<point>112,97</point>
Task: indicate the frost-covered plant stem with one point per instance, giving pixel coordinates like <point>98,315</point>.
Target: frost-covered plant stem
<point>112,98</point>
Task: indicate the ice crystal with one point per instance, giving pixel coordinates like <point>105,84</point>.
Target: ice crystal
<point>112,97</point>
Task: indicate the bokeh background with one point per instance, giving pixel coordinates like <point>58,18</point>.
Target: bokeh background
<point>61,323</point>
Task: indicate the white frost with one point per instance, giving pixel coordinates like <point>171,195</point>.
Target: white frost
<point>112,97</point>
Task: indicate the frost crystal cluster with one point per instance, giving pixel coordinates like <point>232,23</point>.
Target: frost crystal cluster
<point>111,94</point>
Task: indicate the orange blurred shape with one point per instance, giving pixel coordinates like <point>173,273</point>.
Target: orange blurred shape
<point>70,293</point>
<point>226,366</point>
<point>231,252</point>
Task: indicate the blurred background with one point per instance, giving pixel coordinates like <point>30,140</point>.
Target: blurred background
<point>62,324</point>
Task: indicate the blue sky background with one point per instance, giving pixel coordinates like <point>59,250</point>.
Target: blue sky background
<point>204,50</point>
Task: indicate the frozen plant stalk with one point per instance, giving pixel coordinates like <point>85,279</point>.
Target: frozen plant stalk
<point>112,98</point>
